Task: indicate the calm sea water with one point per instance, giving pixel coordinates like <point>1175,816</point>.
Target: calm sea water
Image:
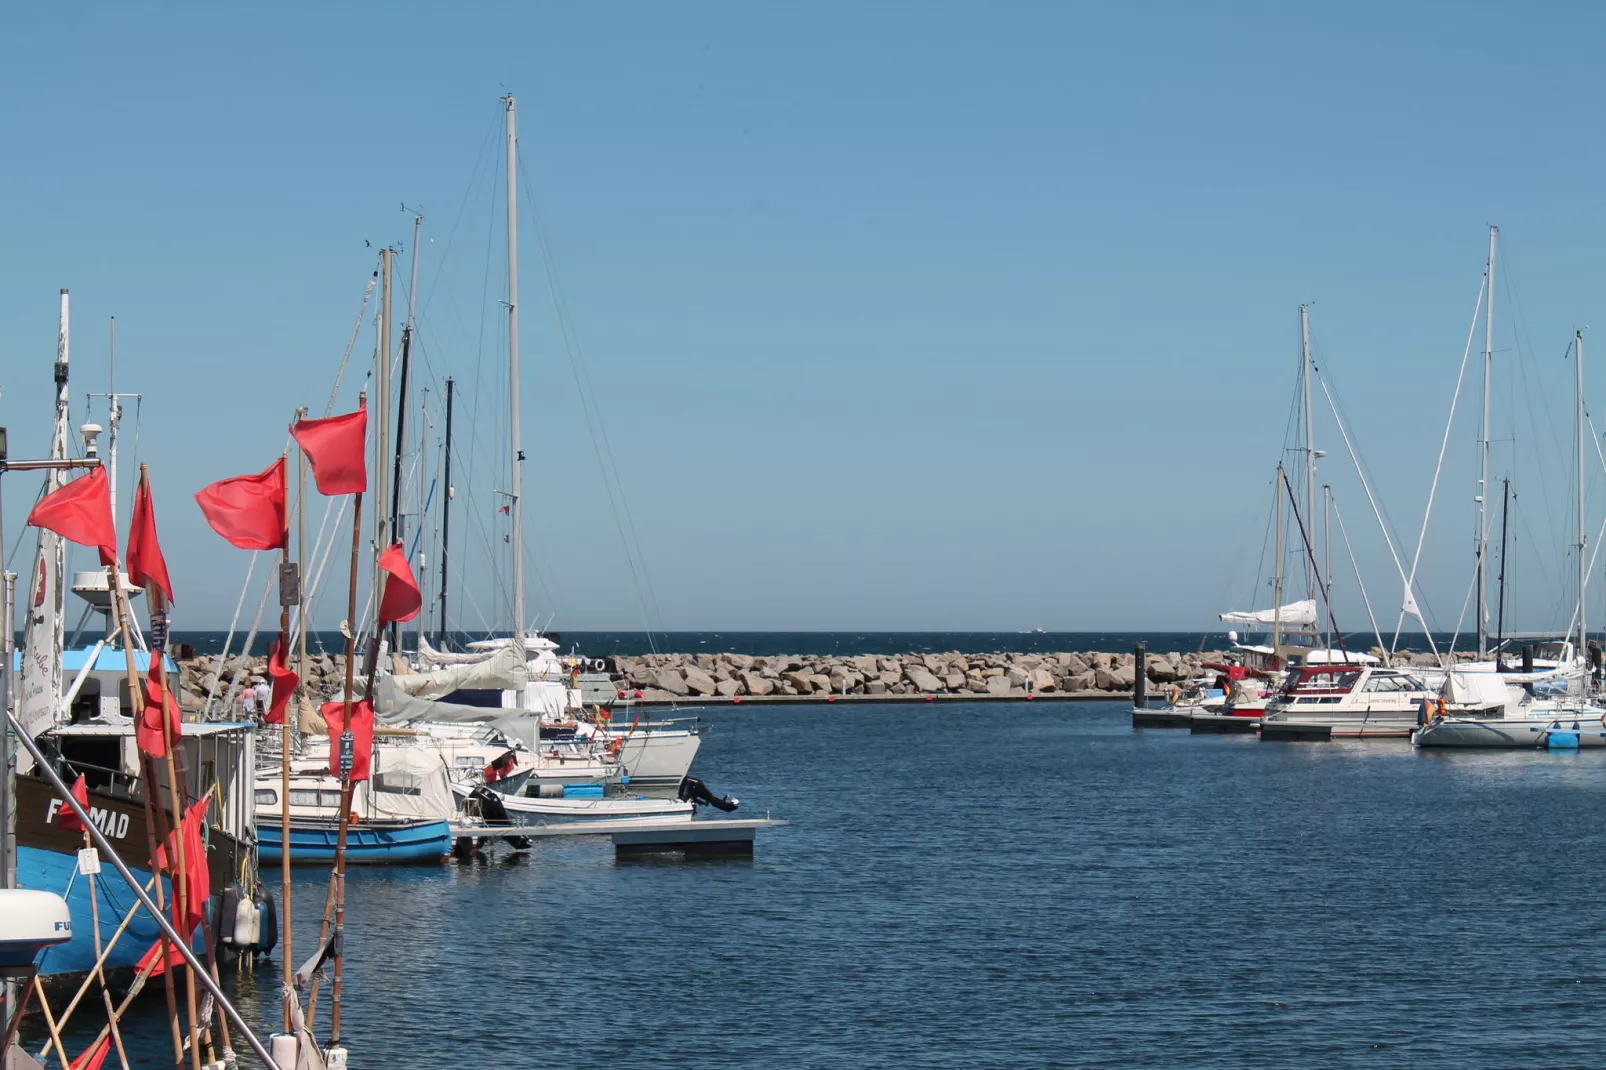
<point>1022,885</point>
<point>605,644</point>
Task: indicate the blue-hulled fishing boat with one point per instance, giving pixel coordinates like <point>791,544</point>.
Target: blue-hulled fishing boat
<point>314,842</point>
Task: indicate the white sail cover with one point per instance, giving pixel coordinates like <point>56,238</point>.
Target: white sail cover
<point>393,706</point>
<point>428,655</point>
<point>1296,614</point>
<point>1483,690</point>
<point>503,670</point>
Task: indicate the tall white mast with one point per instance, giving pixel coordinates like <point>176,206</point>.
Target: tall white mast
<point>516,491</point>
<point>1483,456</point>
<point>387,257</point>
<point>1307,553</point>
<point>1583,537</point>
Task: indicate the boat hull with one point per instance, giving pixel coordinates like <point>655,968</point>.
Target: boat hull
<point>1515,733</point>
<point>662,757</point>
<point>314,843</point>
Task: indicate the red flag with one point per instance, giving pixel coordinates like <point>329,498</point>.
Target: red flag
<point>401,600</point>
<point>335,447</point>
<point>94,1055</point>
<point>362,727</point>
<point>148,733</point>
<point>197,880</point>
<point>284,682</point>
<point>68,821</point>
<point>146,565</point>
<point>248,510</point>
<point>81,512</point>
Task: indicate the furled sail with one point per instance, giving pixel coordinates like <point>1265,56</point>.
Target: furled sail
<point>504,670</point>
<point>1295,614</point>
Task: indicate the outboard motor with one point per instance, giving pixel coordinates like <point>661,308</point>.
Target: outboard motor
<point>696,792</point>
<point>494,813</point>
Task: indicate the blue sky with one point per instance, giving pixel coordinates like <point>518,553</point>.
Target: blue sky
<point>899,316</point>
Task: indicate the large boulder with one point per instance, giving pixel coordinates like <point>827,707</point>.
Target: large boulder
<point>671,681</point>
<point>1162,669</point>
<point>998,685</point>
<point>1113,679</point>
<point>954,680</point>
<point>866,664</point>
<point>1017,676</point>
<point>821,682</point>
<point>739,661</point>
<point>757,684</point>
<point>1082,681</point>
<point>801,683</point>
<point>699,681</point>
<point>1042,680</point>
<point>878,686</point>
<point>729,687</point>
<point>921,677</point>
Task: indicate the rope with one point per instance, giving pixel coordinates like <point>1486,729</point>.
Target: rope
<point>1438,469</point>
<point>228,640</point>
<point>1376,632</point>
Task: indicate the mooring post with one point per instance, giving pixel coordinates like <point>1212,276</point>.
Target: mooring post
<point>1140,677</point>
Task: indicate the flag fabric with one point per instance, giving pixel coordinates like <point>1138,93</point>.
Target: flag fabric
<point>94,1055</point>
<point>336,447</point>
<point>248,511</point>
<point>197,880</point>
<point>68,821</point>
<point>146,565</point>
<point>81,512</point>
<point>284,682</point>
<point>148,733</point>
<point>362,728</point>
<point>402,599</point>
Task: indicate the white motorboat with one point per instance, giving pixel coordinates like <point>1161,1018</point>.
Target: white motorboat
<point>530,809</point>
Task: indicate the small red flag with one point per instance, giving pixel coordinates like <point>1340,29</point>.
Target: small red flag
<point>148,733</point>
<point>81,512</point>
<point>94,1056</point>
<point>362,727</point>
<point>146,565</point>
<point>336,447</point>
<point>401,600</point>
<point>68,821</point>
<point>284,682</point>
<point>197,880</point>
<point>248,510</point>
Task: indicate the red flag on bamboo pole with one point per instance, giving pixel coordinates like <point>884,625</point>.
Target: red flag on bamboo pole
<point>148,733</point>
<point>284,682</point>
<point>146,565</point>
<point>68,821</point>
<point>94,1056</point>
<point>401,600</point>
<point>362,728</point>
<point>336,447</point>
<point>197,879</point>
<point>81,512</point>
<point>248,511</point>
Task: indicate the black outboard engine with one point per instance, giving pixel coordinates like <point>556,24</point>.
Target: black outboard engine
<point>696,792</point>
<point>494,813</point>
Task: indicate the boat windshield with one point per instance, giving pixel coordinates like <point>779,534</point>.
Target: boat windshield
<point>1544,649</point>
<point>1325,681</point>
<point>1394,682</point>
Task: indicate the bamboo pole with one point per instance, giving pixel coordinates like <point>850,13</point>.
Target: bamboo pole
<point>50,1023</point>
<point>181,885</point>
<point>346,761</point>
<point>99,972</point>
<point>101,957</point>
<point>148,788</point>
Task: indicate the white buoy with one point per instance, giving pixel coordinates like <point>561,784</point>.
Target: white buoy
<point>282,1046</point>
<point>245,924</point>
<point>335,1058</point>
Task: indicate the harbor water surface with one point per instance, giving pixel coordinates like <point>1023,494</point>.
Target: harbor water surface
<point>1023,884</point>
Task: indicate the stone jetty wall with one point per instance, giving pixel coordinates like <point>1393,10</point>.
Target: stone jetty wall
<point>665,677</point>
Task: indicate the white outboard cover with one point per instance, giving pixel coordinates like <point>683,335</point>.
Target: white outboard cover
<point>1476,690</point>
<point>31,921</point>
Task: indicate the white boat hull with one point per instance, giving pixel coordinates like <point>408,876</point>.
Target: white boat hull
<point>1508,733</point>
<point>524,810</point>
<point>661,756</point>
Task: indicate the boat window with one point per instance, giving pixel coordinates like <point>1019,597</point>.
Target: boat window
<point>1333,680</point>
<point>399,783</point>
<point>307,797</point>
<point>466,761</point>
<point>1391,683</point>
<point>267,796</point>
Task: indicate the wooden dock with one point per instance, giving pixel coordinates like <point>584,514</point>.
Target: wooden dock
<point>722,837</point>
<point>1165,718</point>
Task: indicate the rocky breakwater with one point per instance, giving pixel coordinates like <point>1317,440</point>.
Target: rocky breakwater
<point>199,676</point>
<point>668,677</point>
